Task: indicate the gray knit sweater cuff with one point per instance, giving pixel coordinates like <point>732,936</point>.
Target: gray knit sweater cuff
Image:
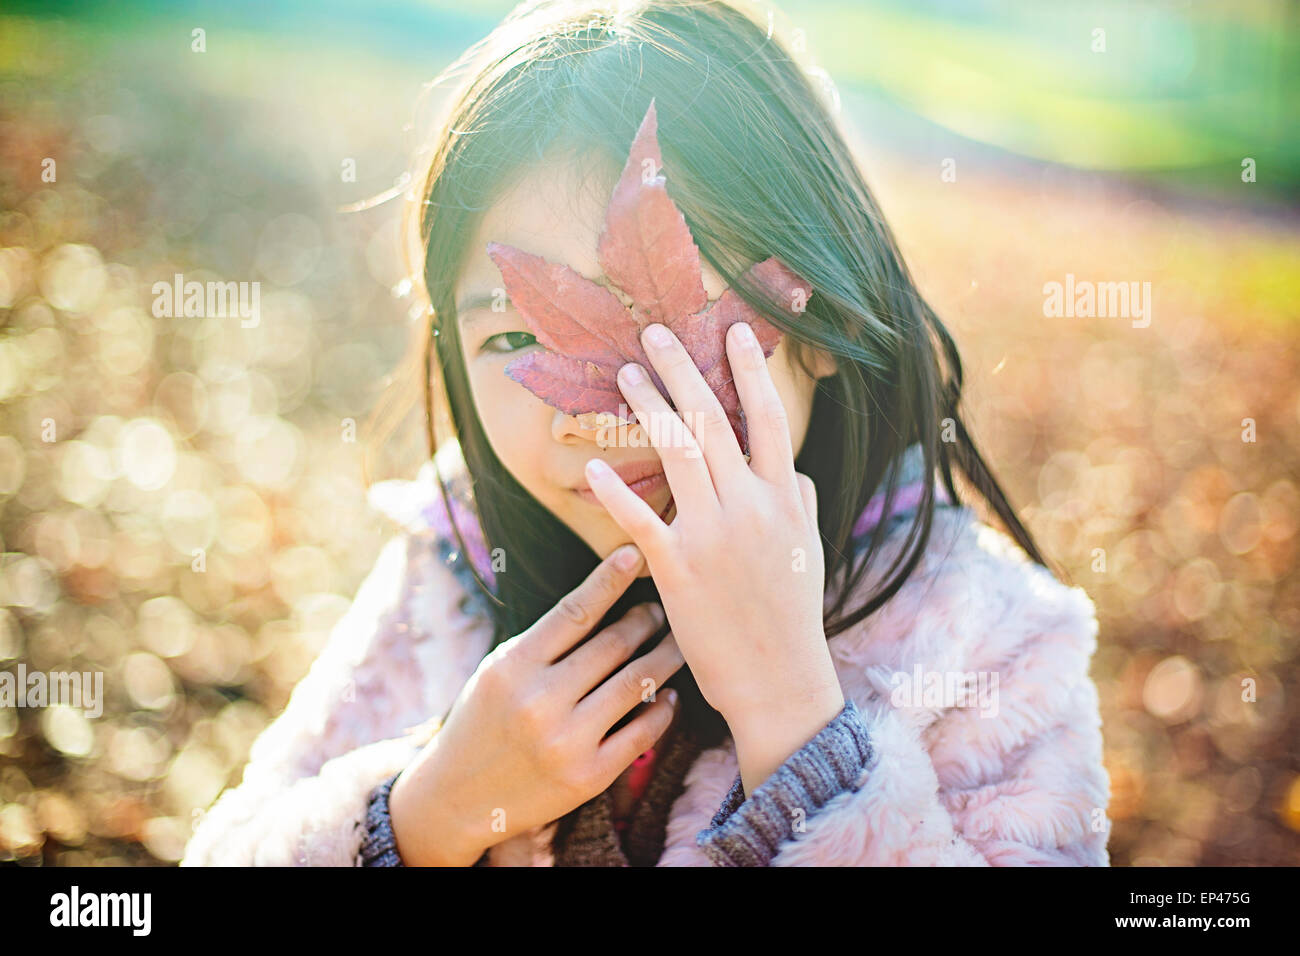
<point>749,832</point>
<point>378,846</point>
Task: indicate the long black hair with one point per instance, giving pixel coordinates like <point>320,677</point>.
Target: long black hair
<point>758,167</point>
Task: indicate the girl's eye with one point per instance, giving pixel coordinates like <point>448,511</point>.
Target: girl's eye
<point>508,342</point>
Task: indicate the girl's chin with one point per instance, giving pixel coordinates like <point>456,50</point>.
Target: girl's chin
<point>668,514</point>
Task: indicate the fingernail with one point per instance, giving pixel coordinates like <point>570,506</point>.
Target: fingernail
<point>658,335</point>
<point>597,468</point>
<point>672,697</point>
<point>627,557</point>
<point>632,374</point>
<point>745,332</point>
<point>657,613</point>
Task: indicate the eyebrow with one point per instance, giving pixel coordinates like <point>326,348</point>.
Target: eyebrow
<point>472,302</point>
<point>486,299</point>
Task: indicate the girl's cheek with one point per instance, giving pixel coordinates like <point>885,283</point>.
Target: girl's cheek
<point>516,428</point>
<point>796,389</point>
<point>492,415</point>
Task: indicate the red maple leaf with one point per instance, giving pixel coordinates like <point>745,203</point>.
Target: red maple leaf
<point>646,250</point>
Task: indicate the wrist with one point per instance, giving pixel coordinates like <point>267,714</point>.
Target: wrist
<point>765,739</point>
<point>795,703</point>
<point>427,838</point>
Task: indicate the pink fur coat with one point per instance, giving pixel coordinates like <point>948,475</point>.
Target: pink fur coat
<point>1015,779</point>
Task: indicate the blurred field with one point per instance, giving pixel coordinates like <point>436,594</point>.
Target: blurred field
<point>1123,445</point>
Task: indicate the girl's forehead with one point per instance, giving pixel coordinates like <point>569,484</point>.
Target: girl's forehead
<point>546,213</point>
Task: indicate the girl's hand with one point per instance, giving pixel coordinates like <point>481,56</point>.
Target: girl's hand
<point>740,569</point>
<point>523,743</point>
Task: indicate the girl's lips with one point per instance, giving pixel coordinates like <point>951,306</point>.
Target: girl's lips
<point>645,488</point>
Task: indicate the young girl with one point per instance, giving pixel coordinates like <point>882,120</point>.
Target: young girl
<point>649,646</point>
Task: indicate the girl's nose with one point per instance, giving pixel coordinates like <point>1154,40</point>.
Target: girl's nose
<point>565,429</point>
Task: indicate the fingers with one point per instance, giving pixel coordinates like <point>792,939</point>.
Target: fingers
<point>808,491</point>
<point>593,661</point>
<point>628,509</point>
<point>572,619</point>
<point>616,753</point>
<point>683,458</point>
<point>635,683</point>
<point>695,400</point>
<point>771,454</point>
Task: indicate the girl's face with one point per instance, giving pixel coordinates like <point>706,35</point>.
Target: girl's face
<point>548,214</point>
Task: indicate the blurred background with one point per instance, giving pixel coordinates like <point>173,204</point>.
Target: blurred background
<point>1010,144</point>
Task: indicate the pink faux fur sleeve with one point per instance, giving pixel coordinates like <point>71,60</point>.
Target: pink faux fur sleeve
<point>396,660</point>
